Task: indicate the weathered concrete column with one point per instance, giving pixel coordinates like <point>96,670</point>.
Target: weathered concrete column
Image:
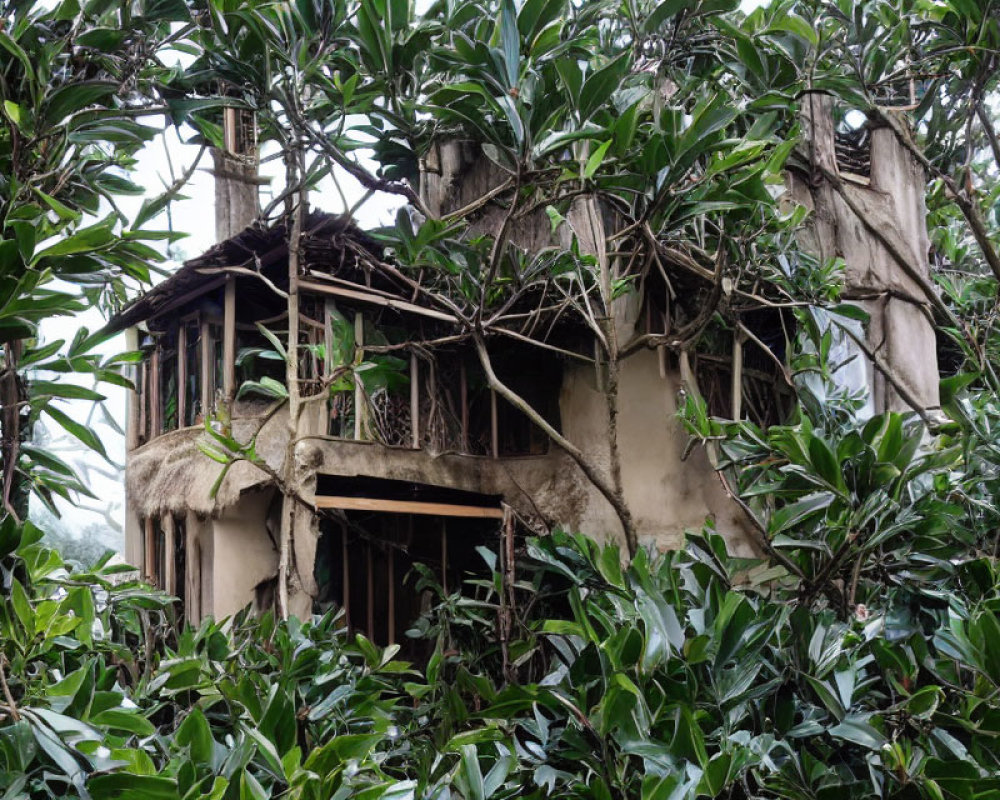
<point>236,180</point>
<point>877,225</point>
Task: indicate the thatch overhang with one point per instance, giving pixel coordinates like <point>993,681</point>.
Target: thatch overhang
<point>334,250</point>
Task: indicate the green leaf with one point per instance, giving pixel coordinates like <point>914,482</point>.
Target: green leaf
<point>595,160</point>
<point>855,728</point>
<point>80,431</point>
<point>599,87</point>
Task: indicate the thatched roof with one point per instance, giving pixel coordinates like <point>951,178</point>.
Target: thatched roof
<point>170,474</point>
<point>331,245</point>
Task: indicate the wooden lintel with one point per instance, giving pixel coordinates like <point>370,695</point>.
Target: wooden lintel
<point>374,299</point>
<point>408,507</point>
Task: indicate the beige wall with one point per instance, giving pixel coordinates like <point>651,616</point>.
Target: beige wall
<point>243,554</point>
<point>666,495</point>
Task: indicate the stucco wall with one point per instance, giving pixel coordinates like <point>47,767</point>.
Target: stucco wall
<point>666,495</point>
<point>243,553</point>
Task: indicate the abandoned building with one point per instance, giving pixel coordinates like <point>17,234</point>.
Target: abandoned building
<point>418,456</point>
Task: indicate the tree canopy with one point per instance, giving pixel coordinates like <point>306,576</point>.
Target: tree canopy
<point>858,657</point>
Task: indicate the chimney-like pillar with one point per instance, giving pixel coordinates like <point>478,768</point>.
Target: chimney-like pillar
<point>236,180</point>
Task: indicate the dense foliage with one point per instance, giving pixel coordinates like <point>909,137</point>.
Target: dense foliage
<point>680,675</point>
<point>859,659</point>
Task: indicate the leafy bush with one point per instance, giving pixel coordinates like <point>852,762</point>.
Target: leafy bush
<point>679,675</point>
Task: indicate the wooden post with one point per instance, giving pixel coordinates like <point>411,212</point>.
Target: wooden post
<point>359,389</point>
<point>415,400</point>
<point>192,573</point>
<point>182,375</point>
<point>150,552</point>
<point>464,390</point>
<point>143,401</point>
<point>156,408</point>
<point>328,308</point>
<point>494,426</point>
<point>134,396</point>
<point>229,340</point>
<point>169,548</point>
<point>207,359</point>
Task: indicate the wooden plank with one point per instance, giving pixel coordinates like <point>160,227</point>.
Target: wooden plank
<point>414,401</point>
<point>366,297</point>
<point>408,507</point>
<point>359,389</point>
<point>207,359</point>
<point>182,375</point>
<point>229,340</point>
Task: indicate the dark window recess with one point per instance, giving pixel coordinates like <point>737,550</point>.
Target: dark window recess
<point>537,380</point>
<point>367,564</point>
<point>168,381</point>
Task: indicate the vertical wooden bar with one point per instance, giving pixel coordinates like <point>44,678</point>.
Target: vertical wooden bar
<point>370,569</point>
<point>359,389</point>
<point>207,358</point>
<point>494,426</point>
<point>192,572</point>
<point>150,552</point>
<point>464,390</point>
<point>229,128</point>
<point>142,399</point>
<point>170,549</point>
<point>444,555</point>
<point>346,567</point>
<point>229,340</point>
<point>135,395</point>
<point>415,400</point>
<point>328,338</point>
<point>156,395</point>
<point>182,375</point>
